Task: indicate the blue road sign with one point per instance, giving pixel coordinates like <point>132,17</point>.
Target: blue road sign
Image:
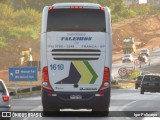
<point>23,74</point>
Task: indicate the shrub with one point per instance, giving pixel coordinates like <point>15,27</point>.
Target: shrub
<point>2,42</point>
<point>134,74</point>
<point>18,25</point>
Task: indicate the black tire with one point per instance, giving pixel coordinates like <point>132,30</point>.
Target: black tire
<point>102,112</point>
<point>48,112</point>
<point>142,91</point>
<point>7,118</point>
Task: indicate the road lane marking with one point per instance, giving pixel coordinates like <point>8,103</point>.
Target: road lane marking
<point>151,118</point>
<point>126,105</point>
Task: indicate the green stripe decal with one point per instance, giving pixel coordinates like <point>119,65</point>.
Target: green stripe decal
<point>86,75</point>
<point>94,74</point>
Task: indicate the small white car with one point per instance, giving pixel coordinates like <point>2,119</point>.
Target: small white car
<point>127,58</point>
<point>4,100</point>
<point>145,51</point>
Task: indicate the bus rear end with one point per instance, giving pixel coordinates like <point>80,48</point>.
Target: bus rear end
<point>76,57</point>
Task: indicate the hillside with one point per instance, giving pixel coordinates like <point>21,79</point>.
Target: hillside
<point>145,29</point>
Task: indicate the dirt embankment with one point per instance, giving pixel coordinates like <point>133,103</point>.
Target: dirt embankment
<point>145,29</point>
<point>10,56</point>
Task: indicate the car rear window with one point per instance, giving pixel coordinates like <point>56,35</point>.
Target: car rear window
<point>76,20</point>
<point>144,50</point>
<point>1,87</point>
<point>139,77</point>
<point>127,56</point>
<point>152,78</point>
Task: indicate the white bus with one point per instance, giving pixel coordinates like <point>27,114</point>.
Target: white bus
<point>76,57</point>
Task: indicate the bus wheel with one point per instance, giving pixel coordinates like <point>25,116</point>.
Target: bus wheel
<point>47,112</point>
<point>142,91</point>
<point>100,112</point>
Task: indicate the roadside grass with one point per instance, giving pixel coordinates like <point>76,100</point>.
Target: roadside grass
<point>27,94</point>
<point>122,84</point>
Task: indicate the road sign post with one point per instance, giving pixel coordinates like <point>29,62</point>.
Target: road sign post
<point>16,88</point>
<point>18,74</point>
<point>30,86</point>
<point>137,62</point>
<point>122,72</point>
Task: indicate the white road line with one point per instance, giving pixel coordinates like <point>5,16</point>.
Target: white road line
<point>151,118</point>
<point>37,108</point>
<point>126,105</point>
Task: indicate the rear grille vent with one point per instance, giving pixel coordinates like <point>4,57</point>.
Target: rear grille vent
<point>76,54</point>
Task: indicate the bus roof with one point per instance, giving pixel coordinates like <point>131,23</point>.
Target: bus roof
<point>76,4</point>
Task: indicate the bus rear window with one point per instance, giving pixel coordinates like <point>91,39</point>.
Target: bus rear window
<point>76,20</point>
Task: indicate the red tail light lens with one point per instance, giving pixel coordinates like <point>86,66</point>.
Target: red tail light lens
<point>46,83</point>
<point>51,8</point>
<point>106,79</point>
<point>45,74</point>
<point>5,97</point>
<point>106,74</point>
<point>101,8</point>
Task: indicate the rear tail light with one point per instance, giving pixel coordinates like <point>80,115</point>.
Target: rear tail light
<point>5,97</point>
<point>51,8</point>
<point>106,79</point>
<point>46,83</point>
<point>101,8</point>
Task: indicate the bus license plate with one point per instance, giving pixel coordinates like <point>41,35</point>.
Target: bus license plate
<point>75,97</point>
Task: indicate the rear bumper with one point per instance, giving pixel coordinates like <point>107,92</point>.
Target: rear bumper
<point>4,109</point>
<point>151,89</point>
<point>88,101</point>
<point>137,84</point>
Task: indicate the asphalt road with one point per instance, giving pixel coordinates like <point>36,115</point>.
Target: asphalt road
<point>122,101</point>
<point>154,59</point>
